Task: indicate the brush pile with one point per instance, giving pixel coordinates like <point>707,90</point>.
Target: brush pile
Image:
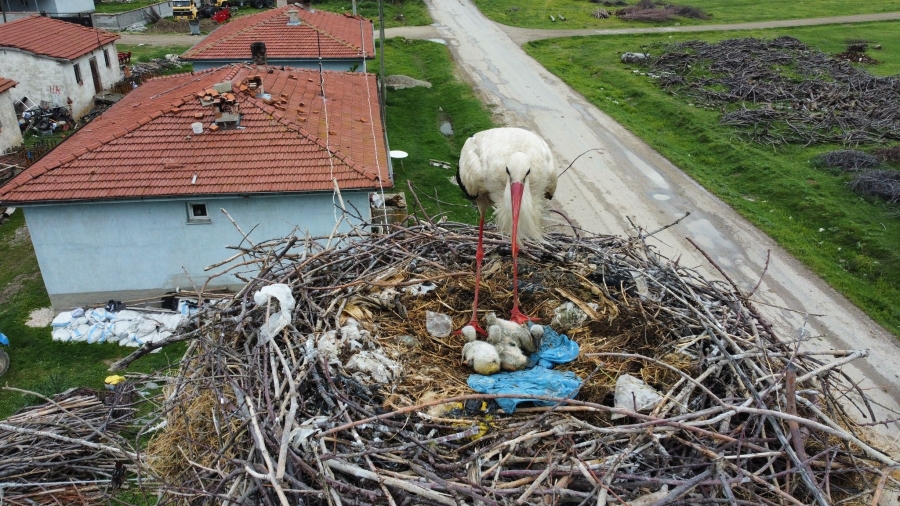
<point>67,451</point>
<point>257,416</point>
<point>781,91</point>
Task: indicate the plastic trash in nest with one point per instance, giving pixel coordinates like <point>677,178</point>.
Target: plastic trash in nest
<point>536,381</point>
<point>374,365</point>
<point>569,316</point>
<point>420,288</point>
<point>438,324</point>
<point>277,321</point>
<point>634,395</point>
<point>555,349</point>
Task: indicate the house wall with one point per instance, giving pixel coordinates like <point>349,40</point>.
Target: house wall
<point>94,252</point>
<point>339,65</point>
<point>62,7</point>
<point>10,135</point>
<point>121,20</point>
<point>43,78</point>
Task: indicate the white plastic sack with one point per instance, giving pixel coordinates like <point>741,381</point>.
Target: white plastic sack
<point>167,321</point>
<point>282,318</point>
<point>123,328</point>
<point>62,320</point>
<point>62,335</point>
<point>80,332</point>
<point>98,315</point>
<point>145,327</point>
<point>97,333</point>
<point>127,314</point>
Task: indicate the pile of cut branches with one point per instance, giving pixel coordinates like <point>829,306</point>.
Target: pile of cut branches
<point>781,91</point>
<point>745,418</point>
<point>652,11</point>
<point>66,451</point>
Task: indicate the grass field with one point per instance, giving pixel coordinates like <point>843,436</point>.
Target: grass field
<point>414,117</point>
<point>851,241</point>
<point>578,12</point>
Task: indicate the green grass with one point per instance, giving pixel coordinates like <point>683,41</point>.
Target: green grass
<point>396,12</point>
<point>147,52</point>
<point>578,12</point>
<point>858,249</point>
<point>414,117</point>
<point>108,7</point>
<point>38,363</point>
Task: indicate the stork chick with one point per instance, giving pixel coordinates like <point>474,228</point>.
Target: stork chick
<point>482,357</point>
<point>511,357</point>
<point>512,332</point>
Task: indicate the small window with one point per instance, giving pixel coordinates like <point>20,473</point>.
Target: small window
<point>106,57</point>
<point>197,213</point>
<point>78,78</point>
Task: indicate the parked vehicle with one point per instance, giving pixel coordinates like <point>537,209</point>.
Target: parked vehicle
<point>198,9</point>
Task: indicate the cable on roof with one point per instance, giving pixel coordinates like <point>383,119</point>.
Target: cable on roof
<point>362,38</point>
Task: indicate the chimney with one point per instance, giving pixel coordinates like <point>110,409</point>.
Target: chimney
<point>258,53</point>
<point>293,17</point>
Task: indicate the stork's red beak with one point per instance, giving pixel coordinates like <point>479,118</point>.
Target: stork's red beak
<point>516,189</point>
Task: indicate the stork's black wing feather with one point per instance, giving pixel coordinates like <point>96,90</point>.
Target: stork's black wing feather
<point>463,187</point>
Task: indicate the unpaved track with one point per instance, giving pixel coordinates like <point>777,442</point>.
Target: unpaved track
<point>628,182</point>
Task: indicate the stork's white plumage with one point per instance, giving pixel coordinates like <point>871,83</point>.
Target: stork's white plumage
<point>511,170</point>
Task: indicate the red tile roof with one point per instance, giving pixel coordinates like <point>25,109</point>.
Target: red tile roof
<point>320,33</point>
<point>6,84</point>
<point>144,147</point>
<point>51,37</point>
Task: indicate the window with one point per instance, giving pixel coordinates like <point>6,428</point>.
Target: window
<point>106,57</point>
<point>197,213</point>
<point>78,78</point>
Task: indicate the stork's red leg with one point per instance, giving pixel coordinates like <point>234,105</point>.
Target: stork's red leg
<point>479,258</point>
<point>517,316</point>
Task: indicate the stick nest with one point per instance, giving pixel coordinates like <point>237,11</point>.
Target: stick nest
<point>746,418</point>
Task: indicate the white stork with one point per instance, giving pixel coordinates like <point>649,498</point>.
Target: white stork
<point>511,170</point>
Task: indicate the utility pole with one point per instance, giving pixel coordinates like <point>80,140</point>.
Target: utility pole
<point>354,7</point>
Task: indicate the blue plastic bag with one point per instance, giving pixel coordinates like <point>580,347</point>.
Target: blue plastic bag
<point>3,339</point>
<point>536,381</point>
<point>555,349</point>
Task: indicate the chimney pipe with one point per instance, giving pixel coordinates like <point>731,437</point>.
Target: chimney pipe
<point>293,17</point>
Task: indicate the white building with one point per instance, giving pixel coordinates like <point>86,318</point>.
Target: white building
<point>61,63</point>
<point>10,135</point>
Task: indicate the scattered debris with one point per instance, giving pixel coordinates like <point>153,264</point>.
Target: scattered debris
<point>633,57</point>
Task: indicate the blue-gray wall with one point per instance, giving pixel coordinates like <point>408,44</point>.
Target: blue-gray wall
<point>339,65</point>
<point>92,252</point>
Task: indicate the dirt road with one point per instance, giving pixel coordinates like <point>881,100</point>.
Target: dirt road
<point>628,182</point>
